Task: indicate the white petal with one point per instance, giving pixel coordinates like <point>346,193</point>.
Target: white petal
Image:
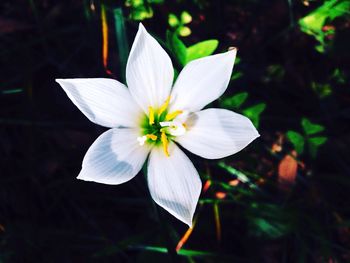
<point>106,102</point>
<point>217,133</point>
<point>114,158</point>
<point>174,183</point>
<point>149,71</point>
<point>202,81</point>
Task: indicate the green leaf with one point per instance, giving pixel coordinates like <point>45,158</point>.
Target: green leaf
<point>190,253</point>
<point>235,101</point>
<point>184,31</point>
<point>315,143</point>
<point>253,113</point>
<point>140,13</point>
<point>269,220</point>
<point>172,20</point>
<point>236,75</point>
<point>201,49</point>
<point>339,76</point>
<point>241,176</point>
<point>11,91</point>
<point>297,140</point>
<point>186,17</point>
<point>311,128</point>
<point>237,60</point>
<point>322,90</point>
<point>177,47</point>
<point>272,230</point>
<point>331,9</point>
<point>313,23</point>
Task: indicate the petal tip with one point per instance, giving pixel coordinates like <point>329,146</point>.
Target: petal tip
<point>232,52</point>
<point>184,219</point>
<point>81,177</point>
<point>141,26</point>
<point>141,29</point>
<point>232,49</point>
<point>189,223</point>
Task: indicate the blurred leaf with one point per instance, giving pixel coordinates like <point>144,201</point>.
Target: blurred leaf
<point>339,76</point>
<point>311,128</point>
<point>187,252</point>
<point>241,176</point>
<point>11,91</point>
<point>265,228</point>
<point>297,140</point>
<point>322,90</point>
<point>236,75</point>
<point>315,143</point>
<point>141,13</point>
<point>201,49</point>
<point>320,48</point>
<point>186,17</point>
<point>275,72</point>
<point>122,42</point>
<point>253,113</point>
<point>141,10</point>
<point>313,23</point>
<point>172,20</point>
<point>177,47</point>
<point>184,31</point>
<point>269,220</point>
<point>235,101</point>
<point>237,60</point>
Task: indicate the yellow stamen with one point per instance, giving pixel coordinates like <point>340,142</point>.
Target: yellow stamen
<point>165,143</point>
<point>164,106</point>
<point>152,137</point>
<point>151,115</point>
<point>172,115</point>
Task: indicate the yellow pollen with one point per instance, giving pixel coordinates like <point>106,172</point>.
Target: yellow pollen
<point>152,137</point>
<point>172,115</point>
<point>151,115</point>
<point>165,143</point>
<point>164,106</point>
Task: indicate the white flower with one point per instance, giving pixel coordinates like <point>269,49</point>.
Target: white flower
<point>150,117</point>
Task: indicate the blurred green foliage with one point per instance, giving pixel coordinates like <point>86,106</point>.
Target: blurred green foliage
<point>317,22</point>
<point>185,54</point>
<point>252,112</point>
<point>141,9</point>
<point>179,23</point>
<point>310,130</point>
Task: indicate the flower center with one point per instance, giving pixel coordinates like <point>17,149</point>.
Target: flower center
<point>159,127</point>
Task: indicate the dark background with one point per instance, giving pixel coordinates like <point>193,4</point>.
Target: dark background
<point>47,215</point>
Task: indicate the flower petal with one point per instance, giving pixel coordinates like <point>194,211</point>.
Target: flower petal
<point>106,102</point>
<point>217,133</point>
<point>174,183</point>
<point>149,71</point>
<point>114,158</point>
<point>202,81</point>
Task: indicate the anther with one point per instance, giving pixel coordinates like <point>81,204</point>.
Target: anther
<point>172,115</point>
<point>151,115</point>
<point>165,143</point>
